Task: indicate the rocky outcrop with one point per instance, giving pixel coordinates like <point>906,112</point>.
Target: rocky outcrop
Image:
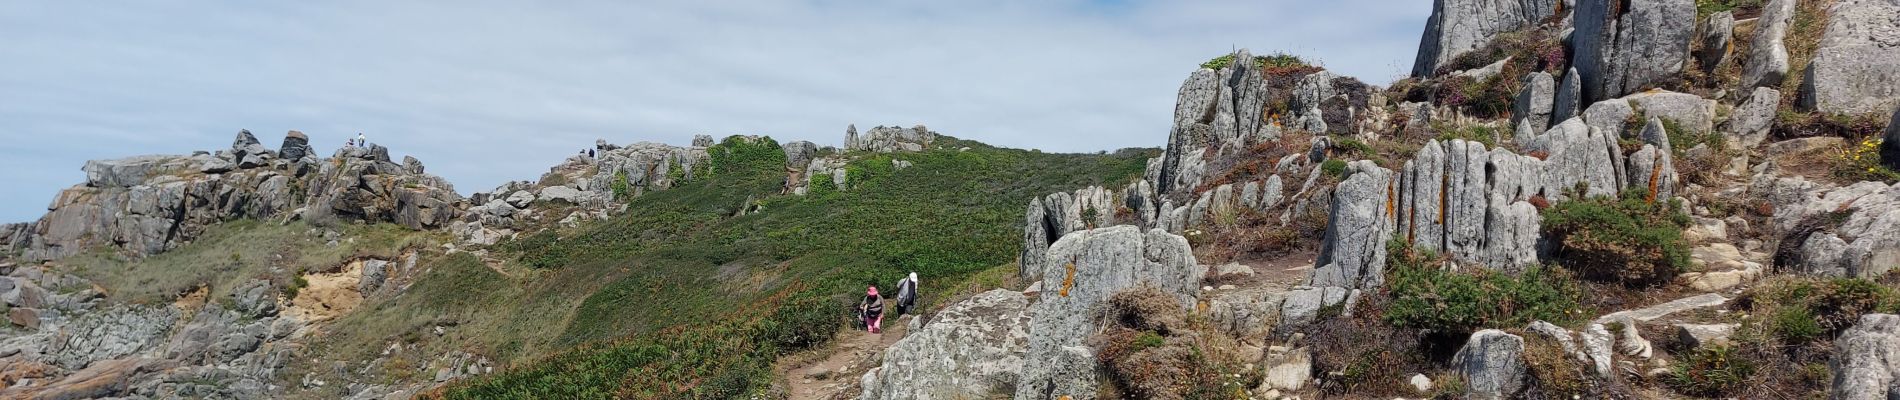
<point>1534,103</point>
<point>148,204</point>
<point>1569,101</point>
<point>1767,64</point>
<point>1352,255</point>
<point>1223,111</point>
<point>1688,111</point>
<point>1459,26</point>
<point>1081,271</point>
<point>883,139</point>
<point>644,166</point>
<point>1751,121</point>
<point>1716,32</point>
<point>1856,69</point>
<point>971,349</point>
<point>1627,46</point>
<point>1492,365</point>
<point>1866,361</point>
<point>1852,231</point>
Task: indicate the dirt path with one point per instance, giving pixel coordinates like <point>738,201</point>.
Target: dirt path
<point>833,372</point>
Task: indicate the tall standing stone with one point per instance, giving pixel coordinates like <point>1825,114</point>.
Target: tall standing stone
<point>1624,50</point>
<point>1460,26</point>
<point>1767,64</point>
<point>1569,101</point>
<point>1535,102</point>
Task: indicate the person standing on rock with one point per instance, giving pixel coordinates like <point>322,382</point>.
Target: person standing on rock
<point>906,294</point>
<point>361,141</point>
<point>872,311</point>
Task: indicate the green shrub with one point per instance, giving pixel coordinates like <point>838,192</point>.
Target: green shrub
<point>1334,167</point>
<point>622,188</point>
<point>1475,132</point>
<point>1807,310</point>
<point>1711,372</point>
<point>1426,296</point>
<point>1795,325</point>
<point>1634,240</point>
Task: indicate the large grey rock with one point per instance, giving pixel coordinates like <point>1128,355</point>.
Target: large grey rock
<point>971,349</point>
<point>707,140</point>
<point>1767,64</point>
<point>1866,360</point>
<point>246,147</point>
<point>1705,335</point>
<point>1622,50</point>
<point>1492,365</point>
<point>1081,271</point>
<point>1535,102</point>
<point>296,146</point>
<point>1665,309</point>
<point>1865,243</point>
<point>1303,304</point>
<point>1246,313</point>
<point>1459,26</point>
<point>123,172</point>
<point>1652,168</point>
<point>1578,154</point>
<point>1856,69</point>
<point>1751,121</point>
<point>1688,111</point>
<point>1353,251</point>
<point>1569,100</point>
<point>799,154</point>
<point>1511,241</point>
<point>1716,33</point>
<point>374,273</point>
<point>1036,240</point>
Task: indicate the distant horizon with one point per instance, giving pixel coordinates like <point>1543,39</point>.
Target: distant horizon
<point>501,92</point>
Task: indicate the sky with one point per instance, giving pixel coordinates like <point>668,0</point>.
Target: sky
<point>484,92</point>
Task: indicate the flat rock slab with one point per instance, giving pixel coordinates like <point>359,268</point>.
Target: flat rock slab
<point>1661,310</point>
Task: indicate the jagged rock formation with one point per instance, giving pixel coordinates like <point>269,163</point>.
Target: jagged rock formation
<point>1080,272</point>
<point>883,139</point>
<point>1459,26</point>
<point>1852,231</point>
<point>971,349</point>
<point>1052,217</point>
<point>1535,103</point>
<point>149,204</point>
<point>1751,121</point>
<point>1767,64</point>
<point>1866,360</point>
<point>1856,70</point>
<point>1716,32</point>
<point>1625,46</point>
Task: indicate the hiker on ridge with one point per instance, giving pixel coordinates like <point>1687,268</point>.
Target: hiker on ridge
<point>907,294</point>
<point>872,311</point>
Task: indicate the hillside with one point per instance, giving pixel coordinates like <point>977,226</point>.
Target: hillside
<point>1578,199</point>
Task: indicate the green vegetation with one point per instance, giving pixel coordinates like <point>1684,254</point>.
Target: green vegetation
<point>1271,62</point>
<point>621,187</point>
<point>1862,162</point>
<point>229,254</point>
<point>1334,167</point>
<point>1475,132</point>
<point>677,298</point>
<point>1741,8</point>
<point>1635,240</point>
<point>1426,296</point>
<point>1711,372</point>
<point>1806,310</point>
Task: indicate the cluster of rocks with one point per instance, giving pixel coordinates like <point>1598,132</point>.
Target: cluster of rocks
<point>582,187</point>
<point>889,139</point>
<point>1460,26</point>
<point>70,344</point>
<point>149,204</point>
<point>1003,341</point>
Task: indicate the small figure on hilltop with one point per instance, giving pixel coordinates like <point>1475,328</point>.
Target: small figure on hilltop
<point>360,140</point>
<point>871,311</point>
<point>906,294</point>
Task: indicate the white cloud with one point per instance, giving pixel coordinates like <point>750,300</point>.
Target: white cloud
<point>485,92</point>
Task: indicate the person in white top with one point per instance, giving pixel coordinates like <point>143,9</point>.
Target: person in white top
<point>360,141</point>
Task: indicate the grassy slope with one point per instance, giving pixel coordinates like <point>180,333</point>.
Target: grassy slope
<point>232,253</point>
<point>678,298</point>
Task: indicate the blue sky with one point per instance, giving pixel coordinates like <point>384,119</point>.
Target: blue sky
<point>485,92</point>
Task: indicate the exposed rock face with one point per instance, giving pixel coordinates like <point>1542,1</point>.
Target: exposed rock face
<point>1577,154</point>
<point>296,146</point>
<point>1535,102</point>
<point>1080,272</point>
<point>1748,126</point>
<point>885,139</point>
<point>646,166</point>
<point>1716,33</point>
<point>705,140</point>
<point>1569,101</point>
<point>1653,166</point>
<point>1856,69</point>
<point>1864,243</point>
<point>1353,252</point>
<point>1492,364</point>
<point>1767,64</point>
<point>1688,111</point>
<point>798,155</point>
<point>971,349</point>
<point>1459,26</point>
<point>149,204</point>
<point>1866,360</point>
<point>1624,50</point>
<point>1225,111</point>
